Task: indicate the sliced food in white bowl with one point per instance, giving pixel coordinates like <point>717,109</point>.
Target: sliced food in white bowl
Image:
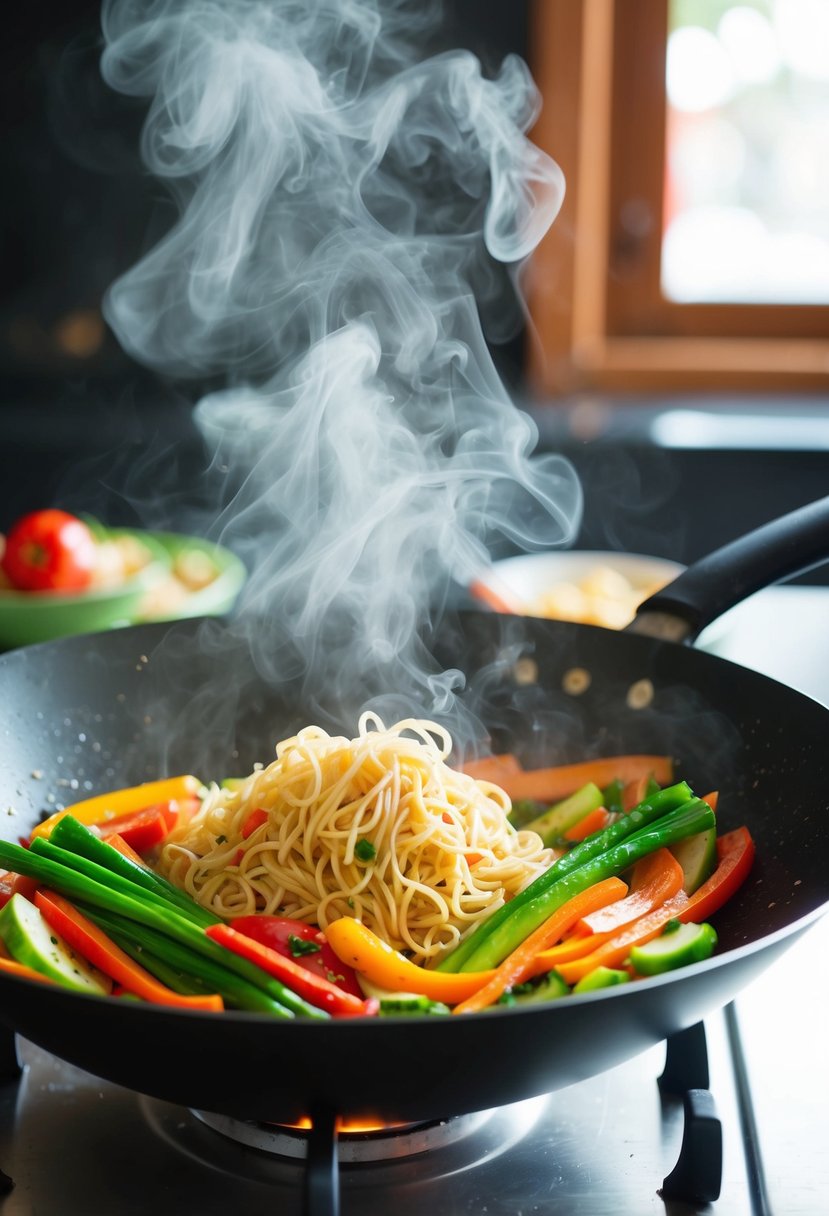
<point>592,587</point>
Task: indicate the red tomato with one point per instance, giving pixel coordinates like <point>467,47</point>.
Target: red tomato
<point>49,551</point>
<point>287,936</point>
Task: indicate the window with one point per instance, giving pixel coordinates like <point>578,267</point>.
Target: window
<point>693,246</point>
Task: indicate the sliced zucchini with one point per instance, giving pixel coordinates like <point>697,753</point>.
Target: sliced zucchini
<point>601,977</point>
<point>31,940</point>
<point>565,814</point>
<point>698,857</point>
<point>534,992</point>
<point>677,947</point>
<point>401,1004</point>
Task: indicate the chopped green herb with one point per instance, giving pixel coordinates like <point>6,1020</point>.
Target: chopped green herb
<point>671,926</point>
<point>221,839</point>
<point>53,940</point>
<point>364,850</point>
<point>299,946</point>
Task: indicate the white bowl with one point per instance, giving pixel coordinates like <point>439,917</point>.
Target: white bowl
<point>591,586</point>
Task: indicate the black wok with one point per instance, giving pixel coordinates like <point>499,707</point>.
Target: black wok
<point>90,713</point>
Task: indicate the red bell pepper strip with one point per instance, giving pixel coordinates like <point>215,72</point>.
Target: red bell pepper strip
<point>735,857</point>
<point>254,820</point>
<point>304,944</point>
<point>91,942</point>
<point>145,828</point>
<point>313,988</point>
<point>105,807</point>
<point>16,884</point>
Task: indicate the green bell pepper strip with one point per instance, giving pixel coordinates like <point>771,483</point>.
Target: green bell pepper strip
<point>73,836</point>
<point>144,909</point>
<point>180,968</point>
<point>646,812</point>
<point>524,917</point>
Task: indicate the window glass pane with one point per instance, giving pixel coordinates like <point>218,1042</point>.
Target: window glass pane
<point>747,159</point>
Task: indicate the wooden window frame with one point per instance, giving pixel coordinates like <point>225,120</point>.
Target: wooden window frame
<point>598,317</point>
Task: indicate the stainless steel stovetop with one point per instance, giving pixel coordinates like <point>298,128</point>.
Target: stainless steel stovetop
<point>76,1146</point>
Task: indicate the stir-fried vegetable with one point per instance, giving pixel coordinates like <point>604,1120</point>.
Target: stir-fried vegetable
<point>639,871</point>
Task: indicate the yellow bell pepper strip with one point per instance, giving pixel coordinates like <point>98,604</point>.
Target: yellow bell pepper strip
<point>384,966</point>
<point>517,967</point>
<point>118,802</point>
<point>98,949</point>
<point>312,988</point>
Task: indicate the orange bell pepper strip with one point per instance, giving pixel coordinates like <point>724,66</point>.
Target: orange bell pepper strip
<point>735,851</point>
<point>656,878</point>
<point>379,962</point>
<point>518,966</point>
<point>552,784</point>
<point>107,806</point>
<point>98,949</point>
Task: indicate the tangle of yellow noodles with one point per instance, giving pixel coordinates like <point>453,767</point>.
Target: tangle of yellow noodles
<point>378,827</point>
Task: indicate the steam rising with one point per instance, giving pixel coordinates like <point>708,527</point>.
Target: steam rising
<point>341,204</point>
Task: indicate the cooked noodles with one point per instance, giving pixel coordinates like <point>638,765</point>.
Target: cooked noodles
<point>378,827</point>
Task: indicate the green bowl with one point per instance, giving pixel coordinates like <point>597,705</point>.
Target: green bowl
<point>216,598</point>
<point>39,616</point>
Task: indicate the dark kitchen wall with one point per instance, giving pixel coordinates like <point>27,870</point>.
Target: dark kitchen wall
<point>78,209</point>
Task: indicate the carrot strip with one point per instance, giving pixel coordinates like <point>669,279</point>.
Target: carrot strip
<point>98,949</point>
<point>712,799</point>
<point>736,854</point>
<point>9,966</point>
<point>518,966</point>
<point>592,822</point>
<point>575,946</point>
<point>126,850</point>
<point>656,878</point>
<point>493,599</point>
<point>634,791</point>
<point>493,768</point>
<point>614,951</point>
<point>552,784</point>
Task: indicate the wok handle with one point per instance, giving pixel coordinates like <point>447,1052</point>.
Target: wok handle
<point>781,549</point>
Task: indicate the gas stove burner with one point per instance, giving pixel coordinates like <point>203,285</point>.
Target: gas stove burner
<point>357,1143</point>
<point>369,1156</point>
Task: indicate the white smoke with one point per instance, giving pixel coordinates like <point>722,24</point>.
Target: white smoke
<point>341,201</point>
